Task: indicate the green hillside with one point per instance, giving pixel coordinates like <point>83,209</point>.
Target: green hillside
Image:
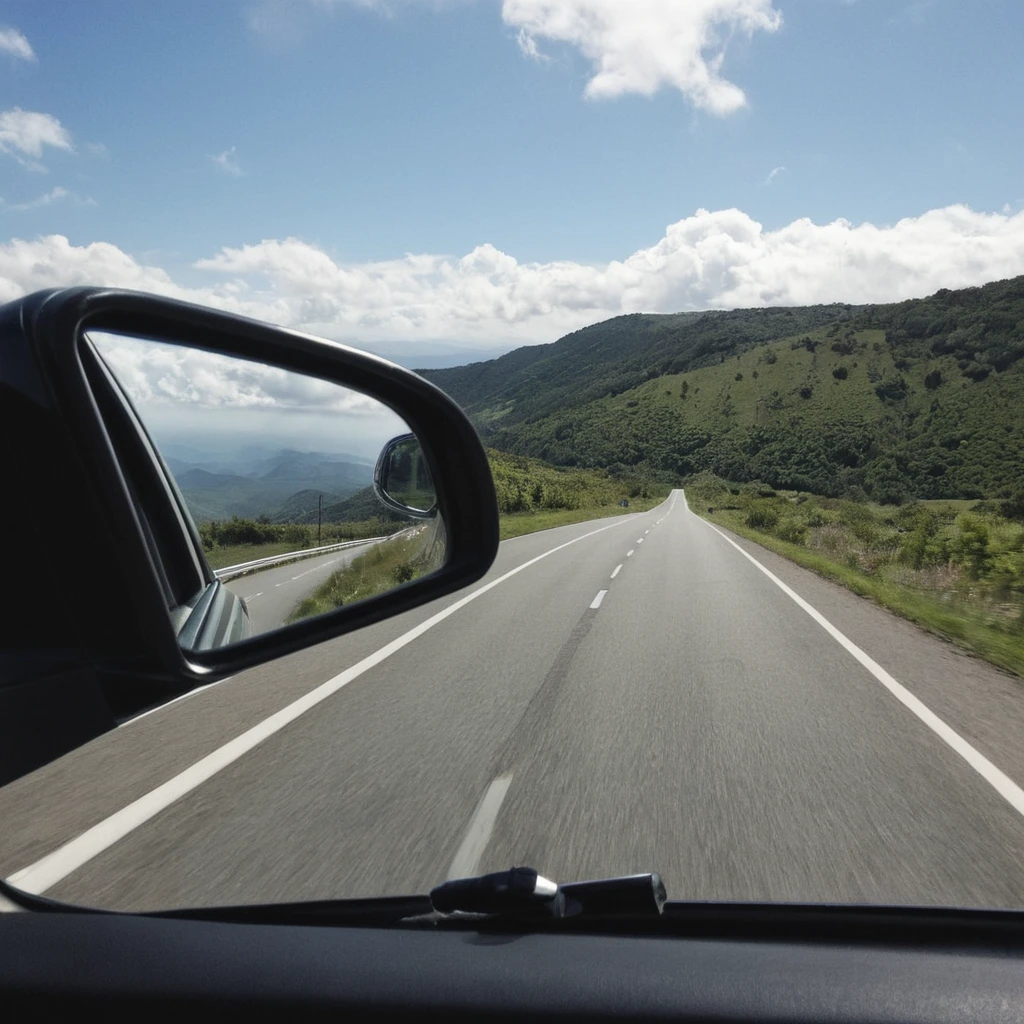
<point>530,485</point>
<point>917,399</point>
<point>302,506</point>
<point>359,506</point>
<point>615,355</point>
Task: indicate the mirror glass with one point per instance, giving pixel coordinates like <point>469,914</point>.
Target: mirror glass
<point>275,472</point>
<point>403,479</point>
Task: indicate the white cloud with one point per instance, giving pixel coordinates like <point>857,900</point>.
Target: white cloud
<point>528,45</point>
<point>228,163</point>
<point>156,374</point>
<point>52,261</point>
<point>641,46</point>
<point>721,259</point>
<point>14,43</point>
<point>25,133</point>
<point>773,174</point>
<point>55,195</point>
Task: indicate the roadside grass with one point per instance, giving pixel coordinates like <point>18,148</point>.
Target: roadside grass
<point>519,524</point>
<point>956,571</point>
<point>236,554</point>
<point>528,485</point>
<point>385,566</point>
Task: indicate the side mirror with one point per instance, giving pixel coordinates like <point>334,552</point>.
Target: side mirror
<point>401,479</point>
<point>146,416</point>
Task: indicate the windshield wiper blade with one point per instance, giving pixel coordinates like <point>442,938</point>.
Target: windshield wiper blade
<point>374,911</point>
<point>522,893</point>
<point>371,912</point>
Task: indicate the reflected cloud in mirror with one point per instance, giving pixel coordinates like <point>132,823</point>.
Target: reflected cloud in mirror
<point>276,470</point>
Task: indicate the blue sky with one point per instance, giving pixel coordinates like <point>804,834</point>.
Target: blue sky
<point>453,172</point>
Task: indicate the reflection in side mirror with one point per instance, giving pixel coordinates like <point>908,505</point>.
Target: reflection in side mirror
<point>402,480</point>
<point>271,479</point>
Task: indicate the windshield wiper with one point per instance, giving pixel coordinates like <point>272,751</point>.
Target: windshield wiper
<point>517,895</point>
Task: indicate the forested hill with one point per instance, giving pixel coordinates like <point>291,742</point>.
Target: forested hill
<point>615,355</point>
<point>923,398</point>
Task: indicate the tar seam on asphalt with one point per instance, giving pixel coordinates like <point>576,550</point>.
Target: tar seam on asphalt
<point>542,703</point>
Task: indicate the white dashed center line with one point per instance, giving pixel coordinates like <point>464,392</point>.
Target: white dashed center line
<point>478,835</point>
<point>629,553</point>
<point>615,572</point>
<point>596,603</point>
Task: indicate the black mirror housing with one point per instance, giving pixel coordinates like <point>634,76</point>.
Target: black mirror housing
<point>113,611</point>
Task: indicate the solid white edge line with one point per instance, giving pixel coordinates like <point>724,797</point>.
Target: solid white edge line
<point>997,779</point>
<point>615,571</point>
<point>596,603</point>
<point>466,862</point>
<point>49,870</point>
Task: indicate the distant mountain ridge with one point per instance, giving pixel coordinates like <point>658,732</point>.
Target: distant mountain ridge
<point>277,483</point>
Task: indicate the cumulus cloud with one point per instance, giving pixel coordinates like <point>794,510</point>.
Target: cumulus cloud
<point>52,261</point>
<point>641,46</point>
<point>26,133</point>
<point>720,259</point>
<point>14,44</point>
<point>227,162</point>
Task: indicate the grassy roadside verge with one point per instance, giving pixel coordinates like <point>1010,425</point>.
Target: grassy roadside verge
<point>951,599</point>
<point>236,540</point>
<point>522,523</point>
<point>385,566</point>
<point>236,554</point>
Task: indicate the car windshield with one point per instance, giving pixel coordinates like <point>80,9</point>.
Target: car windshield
<point>732,291</point>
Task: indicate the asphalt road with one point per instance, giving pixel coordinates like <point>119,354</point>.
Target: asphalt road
<point>694,720</point>
<point>271,594</point>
